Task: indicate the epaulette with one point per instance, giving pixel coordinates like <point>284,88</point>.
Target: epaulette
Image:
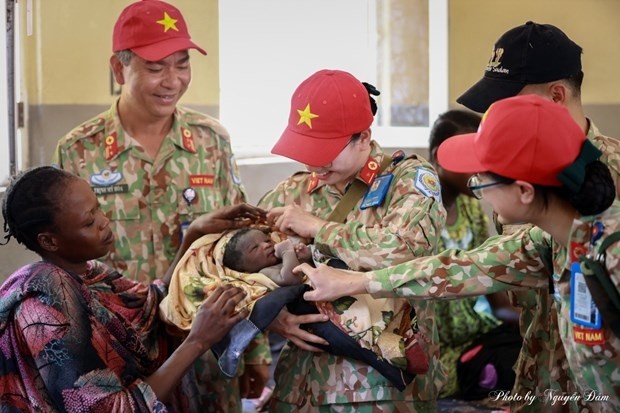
<point>191,117</point>
<point>84,130</point>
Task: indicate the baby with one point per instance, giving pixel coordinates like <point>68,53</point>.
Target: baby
<point>251,250</point>
<point>374,330</point>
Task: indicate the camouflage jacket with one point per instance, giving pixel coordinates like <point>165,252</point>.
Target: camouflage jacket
<point>147,200</point>
<point>542,365</point>
<point>513,261</point>
<point>406,225</point>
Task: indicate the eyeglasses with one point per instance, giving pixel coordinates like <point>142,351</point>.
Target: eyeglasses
<point>474,185</point>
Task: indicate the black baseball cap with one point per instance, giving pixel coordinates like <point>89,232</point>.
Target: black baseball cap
<point>528,54</point>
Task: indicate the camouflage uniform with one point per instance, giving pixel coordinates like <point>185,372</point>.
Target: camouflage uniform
<point>405,226</point>
<point>145,201</point>
<point>143,197</point>
<point>512,261</point>
<point>542,363</point>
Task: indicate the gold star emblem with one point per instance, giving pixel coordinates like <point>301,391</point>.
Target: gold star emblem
<point>168,23</point>
<point>305,116</point>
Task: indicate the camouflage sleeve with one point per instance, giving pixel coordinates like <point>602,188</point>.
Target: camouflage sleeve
<point>228,175</point>
<point>59,156</point>
<point>275,197</point>
<point>408,227</point>
<point>611,157</point>
<point>501,263</point>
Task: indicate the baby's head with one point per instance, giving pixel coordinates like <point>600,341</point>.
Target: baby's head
<point>249,250</point>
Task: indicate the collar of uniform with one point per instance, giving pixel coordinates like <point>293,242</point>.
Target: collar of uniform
<point>580,236</point>
<point>375,152</point>
<point>180,133</point>
<point>593,131</point>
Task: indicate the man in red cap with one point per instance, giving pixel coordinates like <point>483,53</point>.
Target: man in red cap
<point>540,59</point>
<point>367,209</point>
<point>154,166</point>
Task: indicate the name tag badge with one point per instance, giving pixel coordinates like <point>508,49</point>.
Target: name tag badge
<point>583,310</point>
<point>183,229</point>
<point>377,191</point>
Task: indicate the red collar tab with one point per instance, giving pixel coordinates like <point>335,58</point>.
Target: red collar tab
<point>370,170</point>
<point>111,146</point>
<point>312,183</point>
<point>188,140</point>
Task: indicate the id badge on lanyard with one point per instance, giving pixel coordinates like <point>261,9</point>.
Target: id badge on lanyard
<point>583,310</point>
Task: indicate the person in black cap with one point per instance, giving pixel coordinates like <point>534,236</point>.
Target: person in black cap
<point>540,59</point>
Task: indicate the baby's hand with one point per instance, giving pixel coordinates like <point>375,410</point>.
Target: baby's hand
<point>303,252</point>
<point>282,247</point>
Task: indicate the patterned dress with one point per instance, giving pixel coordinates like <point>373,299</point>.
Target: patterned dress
<point>79,343</point>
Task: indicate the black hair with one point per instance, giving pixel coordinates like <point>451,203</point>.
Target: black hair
<point>30,204</point>
<point>575,81</point>
<point>233,256</point>
<point>450,123</point>
<point>372,91</point>
<point>596,194</point>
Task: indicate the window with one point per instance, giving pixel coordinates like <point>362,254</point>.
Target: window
<point>5,148</point>
<point>267,48</point>
<point>10,55</point>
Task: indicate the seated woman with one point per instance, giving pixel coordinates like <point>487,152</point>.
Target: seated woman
<point>261,264</point>
<point>76,335</point>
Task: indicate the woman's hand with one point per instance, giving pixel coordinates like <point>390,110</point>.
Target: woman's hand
<point>330,284</point>
<point>214,319</point>
<point>293,220</point>
<point>289,326</point>
<point>230,217</point>
<point>217,315</point>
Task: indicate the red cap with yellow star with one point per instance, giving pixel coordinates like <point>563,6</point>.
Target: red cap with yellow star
<point>153,30</point>
<point>326,110</point>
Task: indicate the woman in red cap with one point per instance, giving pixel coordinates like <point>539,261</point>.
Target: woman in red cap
<point>533,164</point>
<point>368,210</point>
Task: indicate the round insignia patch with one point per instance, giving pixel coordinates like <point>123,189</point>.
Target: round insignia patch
<point>428,184</point>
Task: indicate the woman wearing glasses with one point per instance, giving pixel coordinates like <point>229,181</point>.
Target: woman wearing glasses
<point>533,164</point>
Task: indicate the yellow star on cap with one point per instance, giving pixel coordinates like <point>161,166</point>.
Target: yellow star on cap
<point>168,23</point>
<point>305,116</point>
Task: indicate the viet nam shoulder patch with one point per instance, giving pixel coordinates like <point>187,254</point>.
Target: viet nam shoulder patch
<point>428,184</point>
